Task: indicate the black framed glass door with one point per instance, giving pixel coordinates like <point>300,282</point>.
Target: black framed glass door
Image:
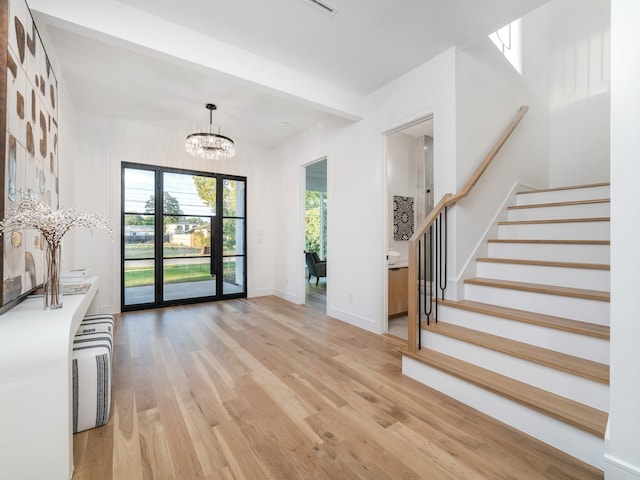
<point>184,236</point>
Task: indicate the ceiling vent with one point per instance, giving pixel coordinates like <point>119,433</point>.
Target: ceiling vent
<point>323,6</point>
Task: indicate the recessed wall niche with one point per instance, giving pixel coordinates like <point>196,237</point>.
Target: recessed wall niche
<point>29,154</point>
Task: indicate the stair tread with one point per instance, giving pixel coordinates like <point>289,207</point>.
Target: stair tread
<point>570,187</point>
<point>589,369</point>
<point>555,220</point>
<point>560,204</point>
<point>577,414</point>
<point>549,321</point>
<point>545,263</point>
<point>550,241</point>
<point>583,293</point>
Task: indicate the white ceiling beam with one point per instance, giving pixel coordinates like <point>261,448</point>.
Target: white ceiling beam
<point>117,23</point>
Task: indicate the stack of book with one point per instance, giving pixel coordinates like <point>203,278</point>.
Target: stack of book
<point>75,276</point>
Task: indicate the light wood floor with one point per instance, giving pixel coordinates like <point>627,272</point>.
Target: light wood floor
<point>263,389</point>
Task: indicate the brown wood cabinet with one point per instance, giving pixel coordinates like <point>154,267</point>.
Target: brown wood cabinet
<point>398,292</point>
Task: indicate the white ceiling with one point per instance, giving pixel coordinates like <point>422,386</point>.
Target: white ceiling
<point>274,68</point>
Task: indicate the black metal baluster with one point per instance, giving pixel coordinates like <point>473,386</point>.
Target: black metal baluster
<point>443,247</point>
<point>436,266</point>
<point>420,246</point>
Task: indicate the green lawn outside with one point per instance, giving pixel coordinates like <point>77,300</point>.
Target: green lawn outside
<point>144,276</point>
<point>145,250</point>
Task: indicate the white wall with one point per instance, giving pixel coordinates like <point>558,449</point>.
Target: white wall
<point>623,447</point>
<point>489,93</point>
<point>357,191</point>
<point>579,92</point>
<point>93,175</point>
<point>402,181</point>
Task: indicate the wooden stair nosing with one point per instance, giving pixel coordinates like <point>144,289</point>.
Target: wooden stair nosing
<point>588,369</point>
<point>549,321</point>
<point>550,241</point>
<point>581,416</point>
<point>556,220</point>
<point>559,189</point>
<point>582,293</point>
<point>544,263</point>
<point>559,204</point>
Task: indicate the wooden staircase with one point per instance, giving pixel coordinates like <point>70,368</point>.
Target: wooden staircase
<point>529,344</point>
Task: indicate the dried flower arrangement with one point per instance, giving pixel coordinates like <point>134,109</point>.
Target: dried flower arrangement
<point>53,225</point>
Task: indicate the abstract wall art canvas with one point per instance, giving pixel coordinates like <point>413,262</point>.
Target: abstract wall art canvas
<point>402,218</point>
<point>29,155</point>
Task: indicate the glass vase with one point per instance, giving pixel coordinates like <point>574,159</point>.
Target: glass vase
<point>52,288</point>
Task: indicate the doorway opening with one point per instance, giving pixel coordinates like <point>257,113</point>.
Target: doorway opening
<point>410,183</point>
<point>315,233</point>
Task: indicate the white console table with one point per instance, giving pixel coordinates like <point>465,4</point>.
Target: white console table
<point>36,432</point>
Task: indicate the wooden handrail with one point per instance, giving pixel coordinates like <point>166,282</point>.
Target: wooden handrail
<point>447,199</point>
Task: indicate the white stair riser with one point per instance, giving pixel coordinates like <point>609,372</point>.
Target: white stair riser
<point>551,252</point>
<point>591,210</point>
<point>590,348</point>
<point>561,383</point>
<point>590,279</point>
<point>570,195</point>
<point>555,231</point>
<point>592,311</point>
<point>575,442</point>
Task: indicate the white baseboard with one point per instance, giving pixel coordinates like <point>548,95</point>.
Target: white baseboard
<point>286,296</point>
<point>260,293</point>
<point>617,469</point>
<point>361,322</point>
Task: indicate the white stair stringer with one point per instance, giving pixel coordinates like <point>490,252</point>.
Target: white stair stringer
<point>580,444</point>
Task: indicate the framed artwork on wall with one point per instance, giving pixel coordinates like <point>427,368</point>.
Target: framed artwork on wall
<point>29,153</point>
<point>402,218</point>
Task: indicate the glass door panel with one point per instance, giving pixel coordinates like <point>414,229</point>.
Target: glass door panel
<point>186,269</point>
<point>234,237</point>
<point>138,237</point>
<point>234,197</point>
<point>233,275</point>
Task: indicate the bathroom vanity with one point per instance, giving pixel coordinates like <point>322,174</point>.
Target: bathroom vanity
<point>398,303</point>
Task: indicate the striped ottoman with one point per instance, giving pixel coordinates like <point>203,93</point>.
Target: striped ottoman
<point>91,377</point>
<point>99,322</point>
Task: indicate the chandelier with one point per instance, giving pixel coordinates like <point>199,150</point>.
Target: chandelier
<point>209,145</point>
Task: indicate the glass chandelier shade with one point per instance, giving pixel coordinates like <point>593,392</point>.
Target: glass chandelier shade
<point>209,145</point>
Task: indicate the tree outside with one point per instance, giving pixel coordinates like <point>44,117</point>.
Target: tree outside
<point>316,222</point>
<point>206,188</point>
<point>170,206</point>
